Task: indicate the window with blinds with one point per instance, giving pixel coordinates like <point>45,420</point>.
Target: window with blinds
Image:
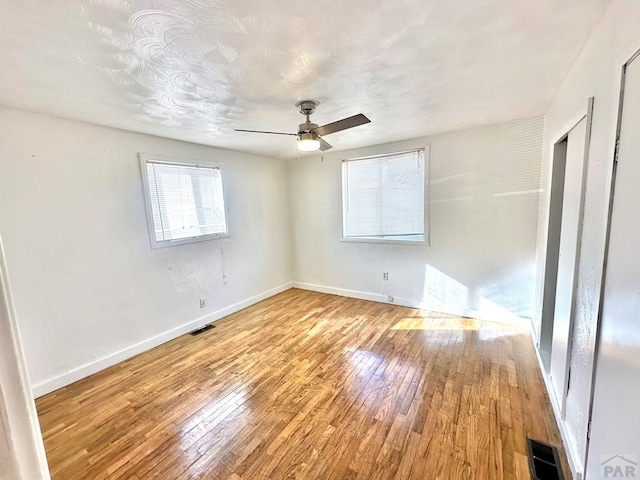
<point>383,198</point>
<point>185,202</point>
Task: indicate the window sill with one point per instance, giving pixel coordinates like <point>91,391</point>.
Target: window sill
<point>385,241</point>
<point>183,241</point>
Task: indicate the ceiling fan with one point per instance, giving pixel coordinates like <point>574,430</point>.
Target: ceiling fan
<point>310,134</point>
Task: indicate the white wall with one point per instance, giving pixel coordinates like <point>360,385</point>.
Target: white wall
<point>596,72</point>
<point>88,289</point>
<point>484,193</point>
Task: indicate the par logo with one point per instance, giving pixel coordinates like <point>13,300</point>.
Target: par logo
<point>619,466</point>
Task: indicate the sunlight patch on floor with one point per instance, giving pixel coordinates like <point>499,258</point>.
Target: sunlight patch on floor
<point>440,322</point>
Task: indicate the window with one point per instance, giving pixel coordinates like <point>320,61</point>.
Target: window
<point>383,198</point>
<point>185,202</point>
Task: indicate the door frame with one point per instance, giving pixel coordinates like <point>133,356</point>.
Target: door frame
<point>576,266</point>
<point>17,407</point>
<point>584,114</point>
<point>560,135</point>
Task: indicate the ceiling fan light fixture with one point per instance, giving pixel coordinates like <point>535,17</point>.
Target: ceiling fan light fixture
<point>308,142</point>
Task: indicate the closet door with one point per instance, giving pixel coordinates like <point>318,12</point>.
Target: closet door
<point>617,386</point>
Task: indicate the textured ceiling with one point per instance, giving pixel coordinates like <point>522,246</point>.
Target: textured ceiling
<point>196,69</point>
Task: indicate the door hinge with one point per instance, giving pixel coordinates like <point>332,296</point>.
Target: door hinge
<point>589,430</point>
<point>569,380</point>
<point>617,150</point>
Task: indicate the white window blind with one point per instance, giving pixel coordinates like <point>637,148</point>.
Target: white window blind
<point>384,197</point>
<point>186,201</point>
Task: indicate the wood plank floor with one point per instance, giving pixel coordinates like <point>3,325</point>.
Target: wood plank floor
<point>314,386</point>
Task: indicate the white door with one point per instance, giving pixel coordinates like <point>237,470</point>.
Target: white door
<point>617,388</point>
<point>571,226</point>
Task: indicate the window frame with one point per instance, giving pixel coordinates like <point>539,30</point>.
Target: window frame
<point>426,241</point>
<point>146,158</point>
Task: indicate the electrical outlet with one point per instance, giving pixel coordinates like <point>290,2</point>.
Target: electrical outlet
<point>390,298</point>
<point>385,275</point>
<point>203,303</point>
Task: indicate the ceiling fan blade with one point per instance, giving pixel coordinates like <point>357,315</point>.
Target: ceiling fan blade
<point>343,124</point>
<point>262,131</point>
<point>324,145</point>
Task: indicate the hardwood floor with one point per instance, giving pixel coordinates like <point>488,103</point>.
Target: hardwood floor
<point>309,385</point>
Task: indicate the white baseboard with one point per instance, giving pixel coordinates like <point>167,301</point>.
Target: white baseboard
<point>576,475</point>
<point>501,317</point>
<point>93,367</point>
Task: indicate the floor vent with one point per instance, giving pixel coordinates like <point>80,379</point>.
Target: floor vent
<point>201,330</point>
<point>544,461</point>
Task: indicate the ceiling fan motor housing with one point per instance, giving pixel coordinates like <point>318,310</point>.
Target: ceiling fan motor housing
<point>306,127</point>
